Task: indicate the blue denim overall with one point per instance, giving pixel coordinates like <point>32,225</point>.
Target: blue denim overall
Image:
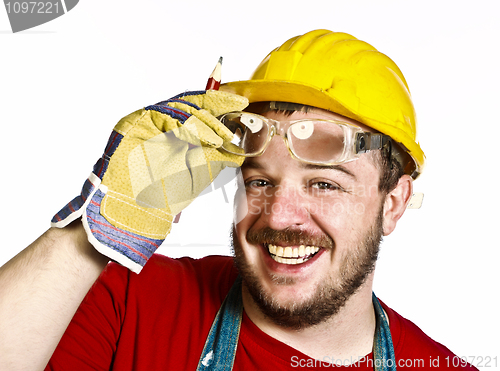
<point>220,347</point>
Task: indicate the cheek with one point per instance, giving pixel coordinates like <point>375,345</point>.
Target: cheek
<point>240,204</point>
<point>246,211</point>
<point>248,206</point>
<point>344,216</point>
<point>336,207</point>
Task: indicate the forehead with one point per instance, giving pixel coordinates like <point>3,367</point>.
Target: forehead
<point>265,109</point>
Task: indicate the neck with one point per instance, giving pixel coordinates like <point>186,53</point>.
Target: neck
<point>348,335</point>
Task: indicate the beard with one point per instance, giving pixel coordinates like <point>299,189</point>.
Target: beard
<point>328,298</point>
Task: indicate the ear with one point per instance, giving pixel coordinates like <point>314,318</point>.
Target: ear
<point>395,203</point>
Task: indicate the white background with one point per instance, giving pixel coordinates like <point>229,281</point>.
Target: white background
<point>65,84</point>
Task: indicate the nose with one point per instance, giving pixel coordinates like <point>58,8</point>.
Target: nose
<point>285,207</point>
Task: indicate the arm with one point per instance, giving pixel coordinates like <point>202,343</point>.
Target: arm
<point>158,159</point>
<point>40,290</point>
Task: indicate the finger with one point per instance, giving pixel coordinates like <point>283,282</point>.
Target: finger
<point>214,101</point>
<point>197,133</point>
<point>209,105</point>
<point>204,116</point>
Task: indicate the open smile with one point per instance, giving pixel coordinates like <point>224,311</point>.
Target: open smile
<point>292,255</point>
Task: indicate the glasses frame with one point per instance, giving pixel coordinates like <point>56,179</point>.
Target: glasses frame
<point>356,140</point>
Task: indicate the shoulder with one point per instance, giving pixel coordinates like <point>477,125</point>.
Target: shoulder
<point>161,273</point>
<point>124,311</point>
<point>411,344</point>
<point>164,266</point>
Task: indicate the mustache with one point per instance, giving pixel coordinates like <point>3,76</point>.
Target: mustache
<point>289,237</point>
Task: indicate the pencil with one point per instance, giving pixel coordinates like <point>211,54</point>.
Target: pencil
<point>214,79</point>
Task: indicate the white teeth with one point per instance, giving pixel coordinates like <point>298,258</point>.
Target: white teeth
<point>289,252</point>
<point>289,255</point>
<point>272,249</point>
<point>302,250</point>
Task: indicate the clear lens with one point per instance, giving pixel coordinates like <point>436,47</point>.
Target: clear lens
<point>250,132</point>
<point>317,141</point>
<point>252,122</point>
<point>302,130</point>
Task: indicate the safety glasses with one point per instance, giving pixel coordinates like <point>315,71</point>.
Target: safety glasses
<point>314,141</point>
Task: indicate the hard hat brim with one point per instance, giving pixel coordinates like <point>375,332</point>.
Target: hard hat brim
<point>285,91</point>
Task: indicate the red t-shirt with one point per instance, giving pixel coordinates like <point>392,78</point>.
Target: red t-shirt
<point>160,319</point>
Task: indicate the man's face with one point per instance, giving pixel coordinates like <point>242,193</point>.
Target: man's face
<point>307,236</point>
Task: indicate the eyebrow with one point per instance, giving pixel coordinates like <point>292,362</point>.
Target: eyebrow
<point>329,167</point>
<point>250,163</point>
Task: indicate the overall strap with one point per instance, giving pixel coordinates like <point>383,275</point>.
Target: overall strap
<point>220,346</point>
<point>383,349</point>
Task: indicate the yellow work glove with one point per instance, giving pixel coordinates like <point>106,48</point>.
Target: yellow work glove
<point>157,160</point>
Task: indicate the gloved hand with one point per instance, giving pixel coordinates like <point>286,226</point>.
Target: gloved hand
<point>157,160</point>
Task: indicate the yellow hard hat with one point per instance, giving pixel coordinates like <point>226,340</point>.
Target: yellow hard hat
<point>339,73</point>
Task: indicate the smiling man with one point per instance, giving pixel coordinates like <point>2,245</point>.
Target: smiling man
<point>310,236</point>
<point>310,223</point>
<point>327,152</point>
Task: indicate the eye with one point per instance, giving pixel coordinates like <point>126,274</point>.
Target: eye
<point>303,129</point>
<point>257,183</point>
<point>325,186</point>
<point>252,122</point>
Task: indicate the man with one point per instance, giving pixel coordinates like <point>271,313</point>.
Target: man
<point>328,153</point>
